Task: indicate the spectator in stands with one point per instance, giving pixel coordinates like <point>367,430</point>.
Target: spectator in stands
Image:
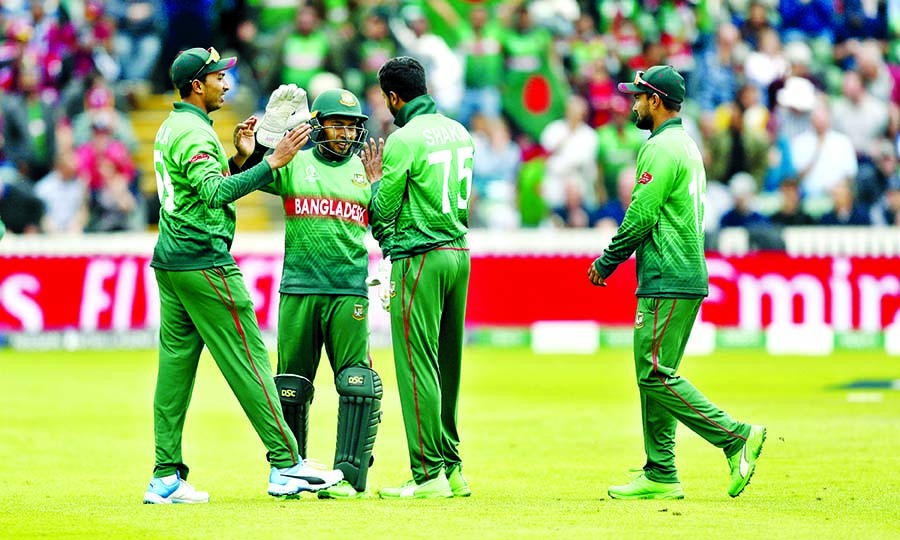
<point>303,52</point>
<point>376,46</point>
<point>494,174</point>
<point>445,72</point>
<point>874,175</point>
<point>93,49</point>
<point>113,205</point>
<point>823,157</point>
<point>717,70</point>
<point>791,212</point>
<point>65,197</point>
<point>743,192</point>
<point>874,70</point>
<point>737,148</point>
<point>845,210</point>
<point>886,211</point>
<point>573,213</point>
<point>800,64</point>
<point>795,102</point>
<point>571,145</point>
<point>767,63</point>
<point>600,91</point>
<point>29,125</point>
<point>612,213</point>
<point>138,39</point>
<point>20,209</point>
<point>103,155</point>
<point>99,106</point>
<point>804,19</point>
<point>859,115</point>
<point>756,23</point>
<point>480,49</point>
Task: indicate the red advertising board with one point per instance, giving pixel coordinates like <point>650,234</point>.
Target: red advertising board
<point>101,292</point>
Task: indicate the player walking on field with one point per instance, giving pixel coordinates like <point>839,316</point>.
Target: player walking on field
<point>420,218</point>
<point>203,298</point>
<point>664,224</point>
<point>324,297</point>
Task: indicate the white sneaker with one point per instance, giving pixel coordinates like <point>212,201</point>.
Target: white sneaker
<point>304,476</point>
<point>172,489</point>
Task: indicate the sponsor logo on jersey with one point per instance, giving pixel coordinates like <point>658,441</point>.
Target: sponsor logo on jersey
<point>645,178</point>
<point>326,208</point>
<point>202,156</point>
<point>359,313</point>
<point>639,320</point>
<point>359,179</point>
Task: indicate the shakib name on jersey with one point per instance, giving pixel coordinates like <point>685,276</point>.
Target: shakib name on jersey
<point>444,135</point>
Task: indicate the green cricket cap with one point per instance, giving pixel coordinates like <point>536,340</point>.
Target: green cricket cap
<point>662,80</point>
<point>196,63</point>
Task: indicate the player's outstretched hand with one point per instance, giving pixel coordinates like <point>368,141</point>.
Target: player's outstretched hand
<point>371,158</point>
<point>595,276</point>
<point>288,146</point>
<point>244,142</point>
<point>286,101</point>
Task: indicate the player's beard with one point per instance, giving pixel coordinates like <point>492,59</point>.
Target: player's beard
<point>643,121</point>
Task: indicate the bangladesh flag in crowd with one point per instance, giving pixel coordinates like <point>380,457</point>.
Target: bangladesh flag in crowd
<point>534,91</point>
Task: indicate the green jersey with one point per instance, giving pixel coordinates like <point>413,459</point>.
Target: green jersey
<point>326,218</point>
<point>422,200</point>
<point>196,193</point>
<point>664,222</point>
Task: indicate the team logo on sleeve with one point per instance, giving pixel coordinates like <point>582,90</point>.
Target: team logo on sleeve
<point>639,320</point>
<point>202,156</point>
<point>359,312</point>
<point>645,178</point>
<point>359,179</point>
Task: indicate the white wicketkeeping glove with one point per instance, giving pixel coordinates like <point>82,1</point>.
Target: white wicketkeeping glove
<point>287,108</point>
<point>382,280</point>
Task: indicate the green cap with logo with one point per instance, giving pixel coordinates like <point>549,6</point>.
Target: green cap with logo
<point>662,80</point>
<point>337,102</point>
<point>196,63</point>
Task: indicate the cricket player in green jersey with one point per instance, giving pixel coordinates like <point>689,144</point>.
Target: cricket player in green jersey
<point>324,296</point>
<point>664,225</point>
<point>420,216</point>
<point>203,298</point>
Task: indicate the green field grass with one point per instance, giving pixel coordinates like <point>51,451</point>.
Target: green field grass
<point>542,437</point>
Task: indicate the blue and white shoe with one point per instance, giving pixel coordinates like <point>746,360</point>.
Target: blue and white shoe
<point>304,476</point>
<point>172,489</point>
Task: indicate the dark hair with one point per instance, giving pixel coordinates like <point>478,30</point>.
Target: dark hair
<point>403,76</point>
<point>669,105</point>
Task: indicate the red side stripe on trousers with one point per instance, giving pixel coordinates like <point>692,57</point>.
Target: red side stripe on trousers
<point>407,314</point>
<point>232,308</point>
<point>654,347</point>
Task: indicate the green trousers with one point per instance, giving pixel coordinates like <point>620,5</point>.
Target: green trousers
<point>212,307</point>
<point>661,331</point>
<point>428,309</point>
<point>307,322</point>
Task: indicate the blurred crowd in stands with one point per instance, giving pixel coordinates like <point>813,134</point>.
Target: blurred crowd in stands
<point>795,103</point>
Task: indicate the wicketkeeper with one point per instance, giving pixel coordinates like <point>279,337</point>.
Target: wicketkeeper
<point>324,296</point>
